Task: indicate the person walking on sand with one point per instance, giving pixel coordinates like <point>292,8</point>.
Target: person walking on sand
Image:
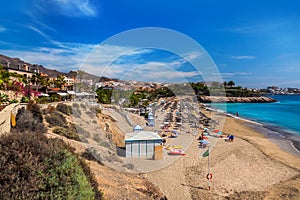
<point>230,138</point>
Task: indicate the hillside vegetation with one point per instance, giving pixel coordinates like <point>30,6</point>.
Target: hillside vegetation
<point>35,167</point>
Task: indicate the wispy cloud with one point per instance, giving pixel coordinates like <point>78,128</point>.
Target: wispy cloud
<point>260,26</point>
<point>232,74</point>
<point>2,29</point>
<point>243,29</point>
<point>70,8</point>
<point>243,57</point>
<point>63,59</point>
<point>38,31</point>
<point>37,22</point>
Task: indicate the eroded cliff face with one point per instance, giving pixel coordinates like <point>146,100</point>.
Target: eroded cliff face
<point>208,99</point>
<point>111,129</point>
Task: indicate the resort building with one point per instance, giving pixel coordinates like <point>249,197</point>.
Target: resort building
<point>24,70</point>
<point>69,81</point>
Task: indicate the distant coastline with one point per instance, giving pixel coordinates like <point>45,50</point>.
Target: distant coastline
<point>282,137</point>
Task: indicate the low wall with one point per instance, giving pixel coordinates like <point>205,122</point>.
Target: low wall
<point>12,94</point>
<point>5,116</point>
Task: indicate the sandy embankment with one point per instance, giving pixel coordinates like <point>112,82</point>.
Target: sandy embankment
<point>251,167</point>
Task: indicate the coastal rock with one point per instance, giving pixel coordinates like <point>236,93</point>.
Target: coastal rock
<point>217,99</point>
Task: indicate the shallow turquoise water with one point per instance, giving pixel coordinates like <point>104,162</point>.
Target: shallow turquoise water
<point>285,113</point>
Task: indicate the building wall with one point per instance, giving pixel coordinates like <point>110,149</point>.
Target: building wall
<point>69,81</point>
<point>26,73</point>
<point>141,149</point>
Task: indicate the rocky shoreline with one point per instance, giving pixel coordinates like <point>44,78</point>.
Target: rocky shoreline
<point>217,99</point>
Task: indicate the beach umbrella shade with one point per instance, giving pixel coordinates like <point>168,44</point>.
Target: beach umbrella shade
<point>204,141</point>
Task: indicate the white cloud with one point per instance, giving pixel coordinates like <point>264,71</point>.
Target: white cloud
<point>149,71</point>
<point>191,56</point>
<point>243,57</point>
<point>105,60</point>
<point>63,59</point>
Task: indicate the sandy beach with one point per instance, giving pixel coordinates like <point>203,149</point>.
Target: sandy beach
<point>251,167</point>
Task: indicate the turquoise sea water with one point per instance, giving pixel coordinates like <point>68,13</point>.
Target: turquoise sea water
<point>284,114</point>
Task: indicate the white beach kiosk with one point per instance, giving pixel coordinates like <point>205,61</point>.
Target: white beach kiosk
<point>137,128</point>
<point>142,144</point>
<point>151,119</point>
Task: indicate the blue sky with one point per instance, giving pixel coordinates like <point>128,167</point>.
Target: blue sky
<point>255,43</point>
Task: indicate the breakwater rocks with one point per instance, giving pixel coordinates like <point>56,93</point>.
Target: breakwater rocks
<point>216,99</point>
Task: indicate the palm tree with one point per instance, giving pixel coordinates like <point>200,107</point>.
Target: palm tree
<point>4,78</point>
<point>46,82</point>
<point>230,83</point>
<point>60,81</point>
<point>37,79</point>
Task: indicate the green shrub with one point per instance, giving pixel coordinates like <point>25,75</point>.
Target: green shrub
<point>75,105</point>
<point>64,109</point>
<point>24,99</point>
<point>68,133</point>
<point>43,100</point>
<point>77,112</point>
<point>88,154</point>
<point>82,105</point>
<point>54,98</point>
<point>34,167</point>
<point>13,101</point>
<point>95,110</point>
<point>90,114</point>
<point>81,131</point>
<point>3,97</point>
<point>35,110</point>
<point>29,121</point>
<point>75,184</point>
<point>56,119</point>
<point>98,110</point>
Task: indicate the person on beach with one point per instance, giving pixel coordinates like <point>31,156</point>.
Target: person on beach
<point>230,138</point>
